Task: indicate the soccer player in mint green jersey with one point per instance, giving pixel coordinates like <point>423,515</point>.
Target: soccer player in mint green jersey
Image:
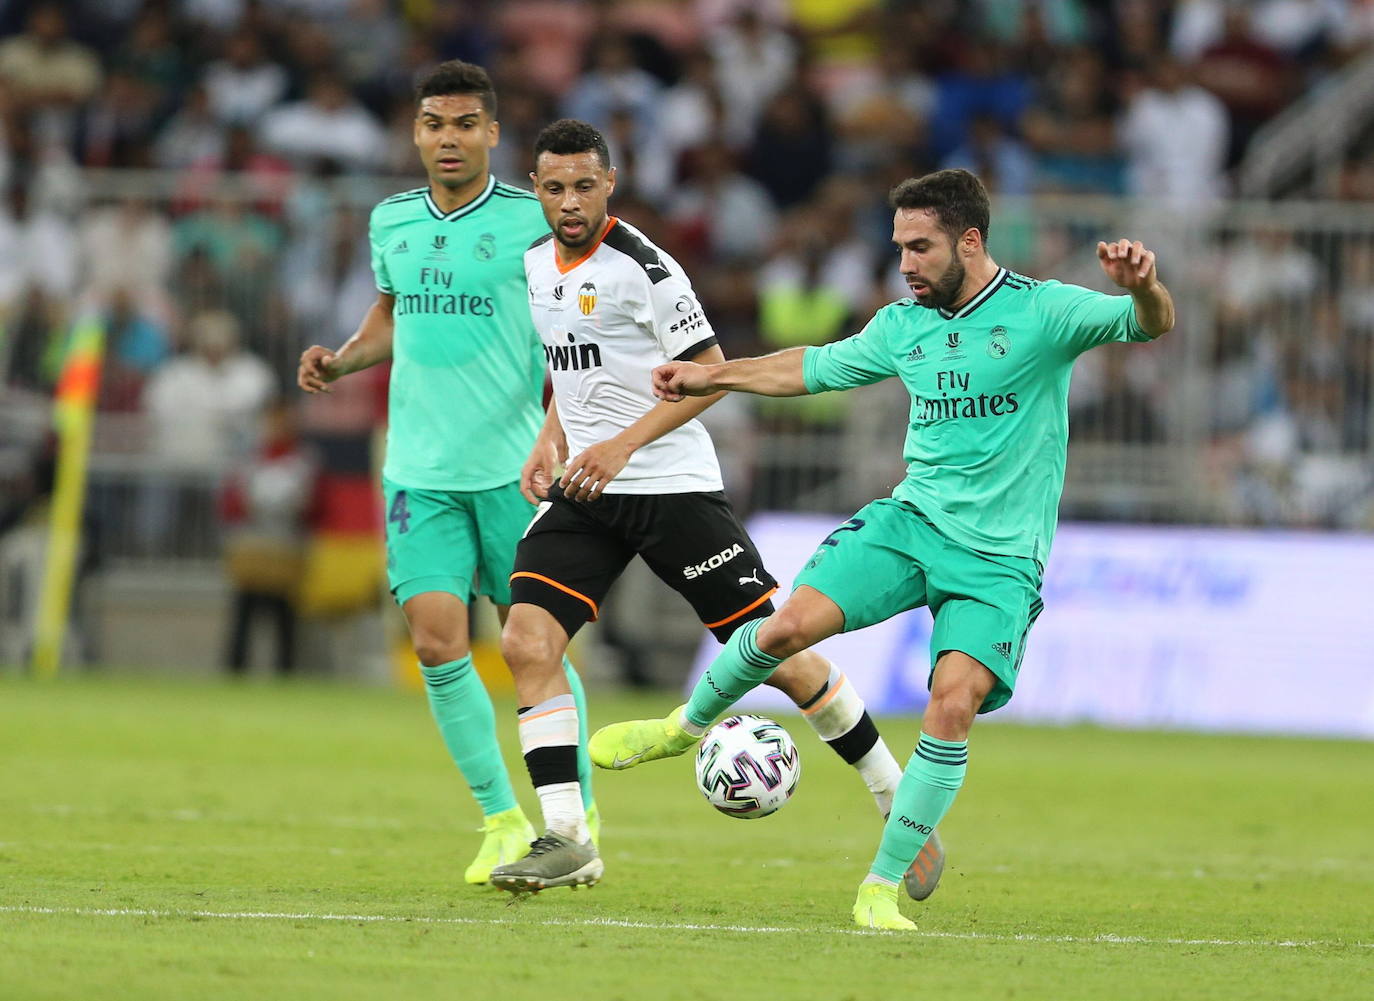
<point>986,356</point>
<point>467,380</point>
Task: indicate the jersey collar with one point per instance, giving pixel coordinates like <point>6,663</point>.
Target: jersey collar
<point>461,210</point>
<point>978,299</point>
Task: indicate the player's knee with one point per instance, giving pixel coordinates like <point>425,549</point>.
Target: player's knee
<point>433,649</point>
<point>950,714</point>
<point>783,634</point>
<point>527,649</point>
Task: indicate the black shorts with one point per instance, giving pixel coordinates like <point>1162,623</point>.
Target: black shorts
<point>573,552</point>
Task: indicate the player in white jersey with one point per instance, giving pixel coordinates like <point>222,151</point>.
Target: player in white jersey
<point>643,480</point>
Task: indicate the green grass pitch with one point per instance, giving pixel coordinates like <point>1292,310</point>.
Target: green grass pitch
<point>182,840</point>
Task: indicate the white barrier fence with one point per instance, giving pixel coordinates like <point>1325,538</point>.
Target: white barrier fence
<point>1177,628</point>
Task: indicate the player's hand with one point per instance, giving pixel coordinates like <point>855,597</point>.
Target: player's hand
<point>679,379</point>
<point>1128,264</point>
<point>588,473</point>
<point>537,475</point>
<point>316,369</point>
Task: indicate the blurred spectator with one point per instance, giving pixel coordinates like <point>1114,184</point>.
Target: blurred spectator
<point>983,84</point>
<point>328,125</point>
<point>329,278</point>
<point>726,215</point>
<point>135,344</point>
<point>202,409</point>
<point>1117,410</point>
<point>267,505</point>
<point>614,85</point>
<point>262,180</point>
<point>116,128</point>
<point>1001,161</point>
<point>1297,28</point>
<point>884,112</point>
<point>754,61</point>
<point>204,405</point>
<point>1070,129</point>
<point>1175,136</point>
<point>36,327</point>
<point>151,56</point>
<point>126,247</point>
<point>692,114</point>
<point>1250,77</point>
<point>36,248</point>
<point>1056,24</point>
<point>1264,269</point>
<point>48,72</point>
<point>244,84</point>
<point>194,133</point>
<point>792,151</point>
<point>367,38</point>
<point>239,244</point>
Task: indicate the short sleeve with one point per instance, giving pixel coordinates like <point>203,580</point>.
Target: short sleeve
<point>679,321</point>
<point>859,360</point>
<point>1079,319</point>
<point>374,239</point>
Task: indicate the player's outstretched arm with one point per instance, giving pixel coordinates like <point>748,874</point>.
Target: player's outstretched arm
<point>1132,267</point>
<point>587,474</point>
<point>370,344</point>
<point>777,374</point>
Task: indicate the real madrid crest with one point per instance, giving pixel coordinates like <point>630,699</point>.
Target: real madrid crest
<point>999,344</point>
<point>485,249</point>
<point>586,298</point>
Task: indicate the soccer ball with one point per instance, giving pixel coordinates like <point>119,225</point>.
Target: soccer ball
<point>747,766</point>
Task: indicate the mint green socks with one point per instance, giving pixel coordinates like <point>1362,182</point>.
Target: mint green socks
<point>584,763</point>
<point>928,787</point>
<point>739,667</point>
<point>462,709</point>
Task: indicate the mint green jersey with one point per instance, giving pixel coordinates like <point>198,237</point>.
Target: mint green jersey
<point>989,426</point>
<point>467,371</point>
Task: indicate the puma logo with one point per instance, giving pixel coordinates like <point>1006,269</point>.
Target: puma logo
<point>754,579</point>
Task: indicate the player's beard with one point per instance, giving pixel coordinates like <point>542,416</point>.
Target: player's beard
<point>945,292</point>
<point>588,234</point>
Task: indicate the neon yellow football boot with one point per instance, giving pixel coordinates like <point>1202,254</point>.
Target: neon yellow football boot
<point>508,837</point>
<point>876,907</point>
<point>624,745</point>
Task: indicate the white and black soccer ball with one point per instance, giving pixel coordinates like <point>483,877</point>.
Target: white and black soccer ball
<point>747,766</point>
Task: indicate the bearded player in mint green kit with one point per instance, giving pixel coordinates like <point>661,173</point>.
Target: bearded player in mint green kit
<point>986,355</point>
<point>465,403</point>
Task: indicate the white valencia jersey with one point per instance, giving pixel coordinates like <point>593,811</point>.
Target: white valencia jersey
<point>607,321</point>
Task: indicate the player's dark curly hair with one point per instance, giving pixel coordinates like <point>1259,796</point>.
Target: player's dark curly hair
<point>458,77</point>
<point>568,136</point>
<point>957,198</point>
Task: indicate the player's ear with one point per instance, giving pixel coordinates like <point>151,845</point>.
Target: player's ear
<point>493,134</point>
<point>971,242</point>
<point>610,182</point>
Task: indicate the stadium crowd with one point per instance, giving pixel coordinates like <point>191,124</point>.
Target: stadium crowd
<point>755,139</point>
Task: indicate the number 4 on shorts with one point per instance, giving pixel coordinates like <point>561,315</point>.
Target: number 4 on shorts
<point>399,514</point>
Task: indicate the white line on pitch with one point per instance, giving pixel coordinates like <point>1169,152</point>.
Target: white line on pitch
<point>138,912</point>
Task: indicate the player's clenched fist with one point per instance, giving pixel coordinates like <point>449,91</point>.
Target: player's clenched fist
<point>680,379</point>
<point>316,369</point>
<point>1128,263</point>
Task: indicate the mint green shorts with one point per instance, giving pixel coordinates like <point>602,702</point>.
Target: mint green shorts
<point>461,542</point>
<point>889,558</point>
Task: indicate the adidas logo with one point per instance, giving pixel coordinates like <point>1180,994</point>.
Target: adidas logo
<point>1004,649</point>
<point>916,354</point>
<point>401,248</point>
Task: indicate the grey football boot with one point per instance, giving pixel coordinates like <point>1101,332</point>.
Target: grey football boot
<point>924,875</point>
<point>553,860</point>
